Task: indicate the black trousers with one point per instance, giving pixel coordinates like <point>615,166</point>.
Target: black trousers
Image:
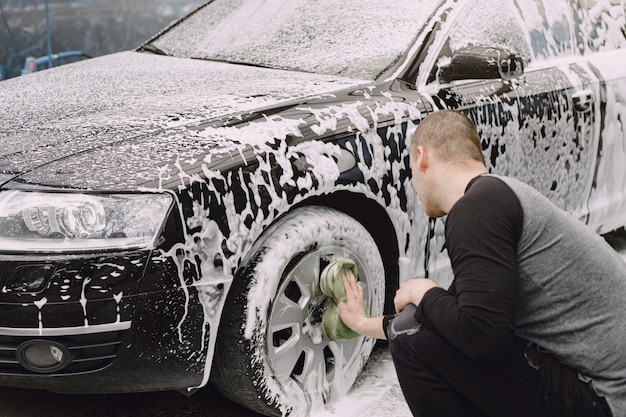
<point>438,380</point>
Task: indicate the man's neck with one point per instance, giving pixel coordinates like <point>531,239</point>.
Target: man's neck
<point>455,181</point>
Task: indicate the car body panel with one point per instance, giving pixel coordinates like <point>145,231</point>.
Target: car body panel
<point>50,123</point>
<point>609,189</point>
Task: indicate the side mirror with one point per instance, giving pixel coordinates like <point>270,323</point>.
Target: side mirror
<point>480,62</point>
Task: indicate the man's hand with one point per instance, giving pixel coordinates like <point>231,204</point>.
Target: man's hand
<point>352,311</point>
<point>412,292</point>
<point>351,308</point>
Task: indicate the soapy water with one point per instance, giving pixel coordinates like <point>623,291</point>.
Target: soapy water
<point>375,393</point>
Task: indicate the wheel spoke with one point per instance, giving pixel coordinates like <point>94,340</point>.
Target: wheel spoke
<point>314,365</point>
<point>285,334</point>
<point>286,313</point>
<point>285,357</point>
<point>306,275</point>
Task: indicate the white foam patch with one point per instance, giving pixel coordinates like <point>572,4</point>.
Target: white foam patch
<point>302,35</point>
<point>375,393</point>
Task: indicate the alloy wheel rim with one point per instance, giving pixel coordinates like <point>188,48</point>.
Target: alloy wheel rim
<point>297,349</point>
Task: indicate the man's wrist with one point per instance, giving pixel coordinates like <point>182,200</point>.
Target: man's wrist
<point>370,326</point>
<point>419,295</point>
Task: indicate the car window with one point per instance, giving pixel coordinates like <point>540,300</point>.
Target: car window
<point>484,24</point>
<point>550,26</point>
<point>600,25</point>
<point>353,41</point>
<point>487,24</point>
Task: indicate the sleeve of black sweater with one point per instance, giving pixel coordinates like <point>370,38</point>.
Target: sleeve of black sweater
<point>482,231</point>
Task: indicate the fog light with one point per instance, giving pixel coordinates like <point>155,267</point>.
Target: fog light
<point>43,356</point>
<point>29,278</point>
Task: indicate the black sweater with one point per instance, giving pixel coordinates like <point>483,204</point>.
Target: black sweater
<point>482,230</point>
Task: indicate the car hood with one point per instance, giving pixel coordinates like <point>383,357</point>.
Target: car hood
<point>96,123</point>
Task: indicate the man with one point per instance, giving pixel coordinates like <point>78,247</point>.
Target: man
<point>534,323</point>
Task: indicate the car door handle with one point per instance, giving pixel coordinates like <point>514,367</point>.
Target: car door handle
<point>583,100</point>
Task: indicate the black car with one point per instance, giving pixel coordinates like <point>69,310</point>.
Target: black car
<point>165,213</point>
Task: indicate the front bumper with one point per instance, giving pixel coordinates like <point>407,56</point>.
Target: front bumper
<point>124,320</point>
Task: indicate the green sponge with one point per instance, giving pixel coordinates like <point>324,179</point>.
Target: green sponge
<point>330,284</point>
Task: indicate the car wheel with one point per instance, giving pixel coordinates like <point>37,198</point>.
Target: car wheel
<point>271,355</point>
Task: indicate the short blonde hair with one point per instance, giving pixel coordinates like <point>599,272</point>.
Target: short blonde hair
<point>450,136</point>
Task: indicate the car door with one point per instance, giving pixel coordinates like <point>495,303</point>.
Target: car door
<point>539,126</point>
<point>600,28</point>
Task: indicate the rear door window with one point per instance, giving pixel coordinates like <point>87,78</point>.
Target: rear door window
<point>599,25</point>
<point>550,26</point>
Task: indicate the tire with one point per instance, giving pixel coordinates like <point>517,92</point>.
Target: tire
<point>270,354</point>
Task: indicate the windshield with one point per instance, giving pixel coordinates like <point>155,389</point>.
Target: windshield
<point>349,38</point>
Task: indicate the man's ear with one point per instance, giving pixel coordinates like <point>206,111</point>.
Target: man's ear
<point>422,159</point>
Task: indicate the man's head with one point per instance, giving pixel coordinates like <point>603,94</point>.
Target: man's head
<point>445,150</point>
<point>450,136</point>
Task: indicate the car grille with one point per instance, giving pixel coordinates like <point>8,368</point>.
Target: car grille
<point>90,352</point>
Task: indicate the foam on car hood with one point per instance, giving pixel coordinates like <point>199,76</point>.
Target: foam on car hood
<point>130,96</point>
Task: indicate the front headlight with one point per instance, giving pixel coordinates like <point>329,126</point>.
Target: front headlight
<point>62,222</point>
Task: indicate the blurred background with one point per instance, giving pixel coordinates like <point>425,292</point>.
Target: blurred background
<point>93,27</point>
